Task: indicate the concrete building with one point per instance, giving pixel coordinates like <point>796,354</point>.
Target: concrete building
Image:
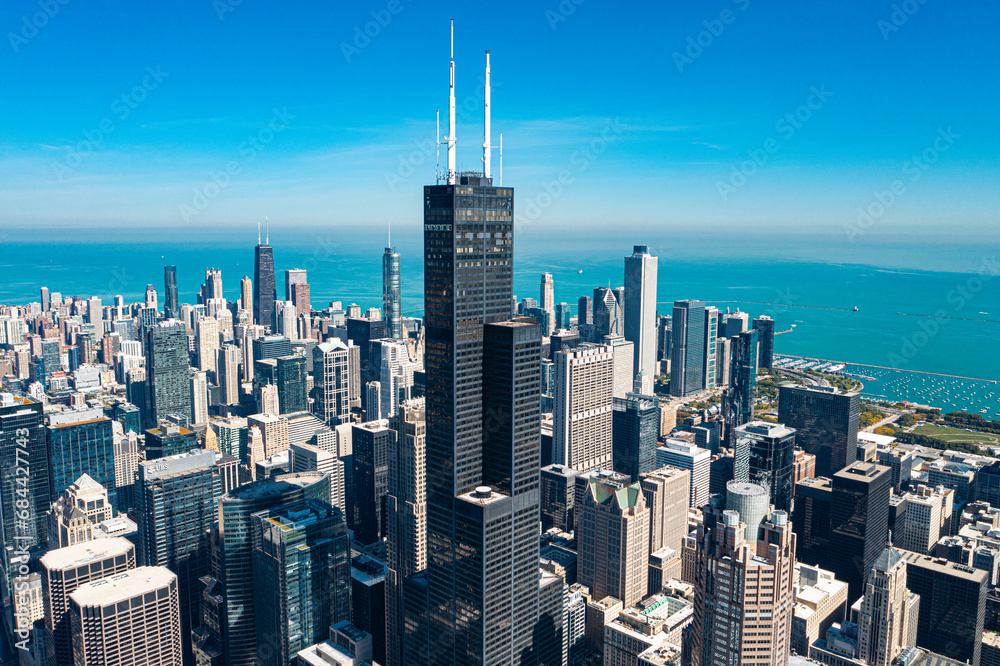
<point>884,626</point>
<point>698,461</point>
<point>928,518</point>
<point>582,418</point>
<point>640,308</point>
<point>273,430</point>
<point>820,601</point>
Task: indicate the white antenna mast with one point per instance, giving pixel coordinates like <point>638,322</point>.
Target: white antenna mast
<point>267,232</point>
<point>486,121</point>
<point>258,232</point>
<point>451,112</point>
<point>500,174</point>
<point>437,162</point>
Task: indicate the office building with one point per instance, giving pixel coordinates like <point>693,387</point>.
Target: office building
<point>274,431</point>
<point>688,351</point>
<point>547,302</point>
<point>291,379</point>
<point>395,377</point>
<point>368,601</point>
<point>265,292</point>
<point>764,454</point>
<point>228,374</point>
<point>302,568</point>
<point>309,458</point>
<point>859,522</point>
<point>199,398</point>
<point>129,618</point>
<point>166,371</point>
<point>391,293</point>
<point>696,460</point>
<point>952,606</point>
<point>169,439</point>
<point>170,301</point>
<point>406,516</point>
<point>584,311</point>
<point>582,418</point>
<point>208,342</point>
<point>330,382</point>
<point>81,442</point>
<point>744,589</point>
<point>667,492</point>
<point>624,375</point>
<point>361,333</point>
<point>820,601</point>
<point>293,277</point>
<point>826,424</point>
<point>928,518</point>
<point>177,497</point>
<point>711,341</point>
<point>609,313</point>
<point>76,512</point>
<point>884,622</point>
<point>64,570</point>
<point>372,442</point>
<point>640,308</point>
<point>901,462</point>
<point>764,326</point>
<point>741,394</point>
<point>612,541</point>
<point>231,624</point>
<point>635,432</point>
<point>733,323</point>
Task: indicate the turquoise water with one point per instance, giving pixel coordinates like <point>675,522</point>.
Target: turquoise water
<point>347,266</point>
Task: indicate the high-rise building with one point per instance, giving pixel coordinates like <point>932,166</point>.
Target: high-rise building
<point>373,391</point>
<point>609,313</point>
<point>687,349</point>
<point>952,606</point>
<point>744,589</point>
<point>709,370</point>
<point>395,377</point>
<point>764,326</point>
<point>66,569</point>
<point>640,308</point>
<point>45,299</point>
<point>81,442</point>
<point>167,371</point>
<point>392,298</point>
<point>635,432</point>
<point>199,397</point>
<point>547,301</point>
<point>363,332</point>
<point>826,424</point>
<point>613,540</point>
<point>274,431</point>
<point>584,311</point>
<point>859,522</point>
<point>126,466</point>
<point>232,629</point>
<point>330,381</point>
<point>667,492</point>
<point>177,498</point>
<point>741,394</point>
<point>246,295</point>
<point>764,454</point>
<point>208,342</point>
<point>696,460</point>
<point>76,512</point>
<point>302,571</point>
<point>582,417</point>
<point>733,324</point>
<point>372,442</point>
<point>265,292</point>
<point>884,623</point>
<point>129,618</point>
<point>406,515</point>
<point>293,277</point>
<point>171,305</point>
<point>624,368</point>
<point>291,380</point>
<point>928,517</point>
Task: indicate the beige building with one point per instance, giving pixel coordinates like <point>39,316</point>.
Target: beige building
<point>820,601</point>
<point>582,412</point>
<point>612,536</point>
<point>208,342</point>
<point>887,620</point>
<point>667,491</point>
<point>129,618</point>
<point>927,518</point>
<point>63,571</point>
<point>273,430</point>
<point>77,511</point>
<point>744,590</point>
<point>657,622</point>
<point>126,458</point>
<point>29,601</point>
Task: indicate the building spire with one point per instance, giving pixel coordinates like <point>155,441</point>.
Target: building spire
<point>486,120</point>
<point>267,232</point>
<point>258,232</point>
<point>451,113</point>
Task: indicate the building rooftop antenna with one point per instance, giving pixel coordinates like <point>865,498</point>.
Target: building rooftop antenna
<point>267,232</point>
<point>451,113</point>
<point>486,120</point>
<point>258,232</point>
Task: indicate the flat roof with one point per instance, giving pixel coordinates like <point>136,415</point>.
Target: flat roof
<point>88,551</point>
<point>122,586</point>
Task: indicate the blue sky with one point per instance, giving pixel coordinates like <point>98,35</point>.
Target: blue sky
<point>646,114</point>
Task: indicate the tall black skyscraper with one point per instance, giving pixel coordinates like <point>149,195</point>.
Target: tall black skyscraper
<point>391,295</point>
<point>171,308</point>
<point>635,431</point>
<point>482,467</point>
<point>687,372</point>
<point>24,475</point>
<point>826,422</point>
<point>859,522</point>
<point>764,453</point>
<point>742,383</point>
<point>372,442</point>
<point>265,289</point>
<point>167,377</point>
<point>764,326</point>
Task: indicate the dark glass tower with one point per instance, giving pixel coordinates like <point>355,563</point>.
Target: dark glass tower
<point>764,454</point>
<point>635,431</point>
<point>291,380</point>
<point>265,291</point>
<point>859,522</point>
<point>687,372</point>
<point>81,442</point>
<point>826,422</point>
<point>764,326</point>
<point>167,371</point>
<point>391,294</point>
<point>372,442</point>
<point>742,384</point>
<point>171,308</point>
<point>23,450</point>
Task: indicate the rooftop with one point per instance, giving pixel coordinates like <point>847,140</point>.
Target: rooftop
<point>82,553</point>
<point>122,586</point>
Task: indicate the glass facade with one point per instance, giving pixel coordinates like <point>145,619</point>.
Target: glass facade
<point>265,288</point>
<point>171,308</point>
<point>687,363</point>
<point>391,294</point>
<point>169,390</point>
<point>635,432</point>
<point>83,448</point>
<point>826,423</point>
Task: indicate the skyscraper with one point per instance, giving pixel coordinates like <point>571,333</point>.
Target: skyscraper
<point>290,378</point>
<point>688,349</point>
<point>474,614</point>
<point>177,497</point>
<point>709,372</point>
<point>199,397</point>
<point>208,342</point>
<point>25,455</point>
<point>294,276</point>
<point>742,390</point>
<point>584,311</point>
<point>171,306</point>
<point>81,442</point>
<point>392,294</point>
<point>302,568</point>
<point>764,326</point>
<point>264,288</point>
<point>372,442</point>
<point>826,423</point>
<point>885,625</point>
<point>330,381</point>
<point>859,522</point>
<point>228,373</point>
<point>640,308</point>
<point>608,313</point>
<point>765,455</point>
<point>582,417</point>
<point>167,371</point>
<point>635,433</point>
<point>246,296</point>
<point>547,301</point>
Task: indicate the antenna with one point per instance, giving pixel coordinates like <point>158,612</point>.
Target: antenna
<point>267,232</point>
<point>500,170</point>
<point>258,232</point>
<point>437,164</point>
<point>486,120</point>
<point>389,233</point>
<point>451,112</point>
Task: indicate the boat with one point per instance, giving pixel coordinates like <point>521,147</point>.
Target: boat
<point>855,308</point>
